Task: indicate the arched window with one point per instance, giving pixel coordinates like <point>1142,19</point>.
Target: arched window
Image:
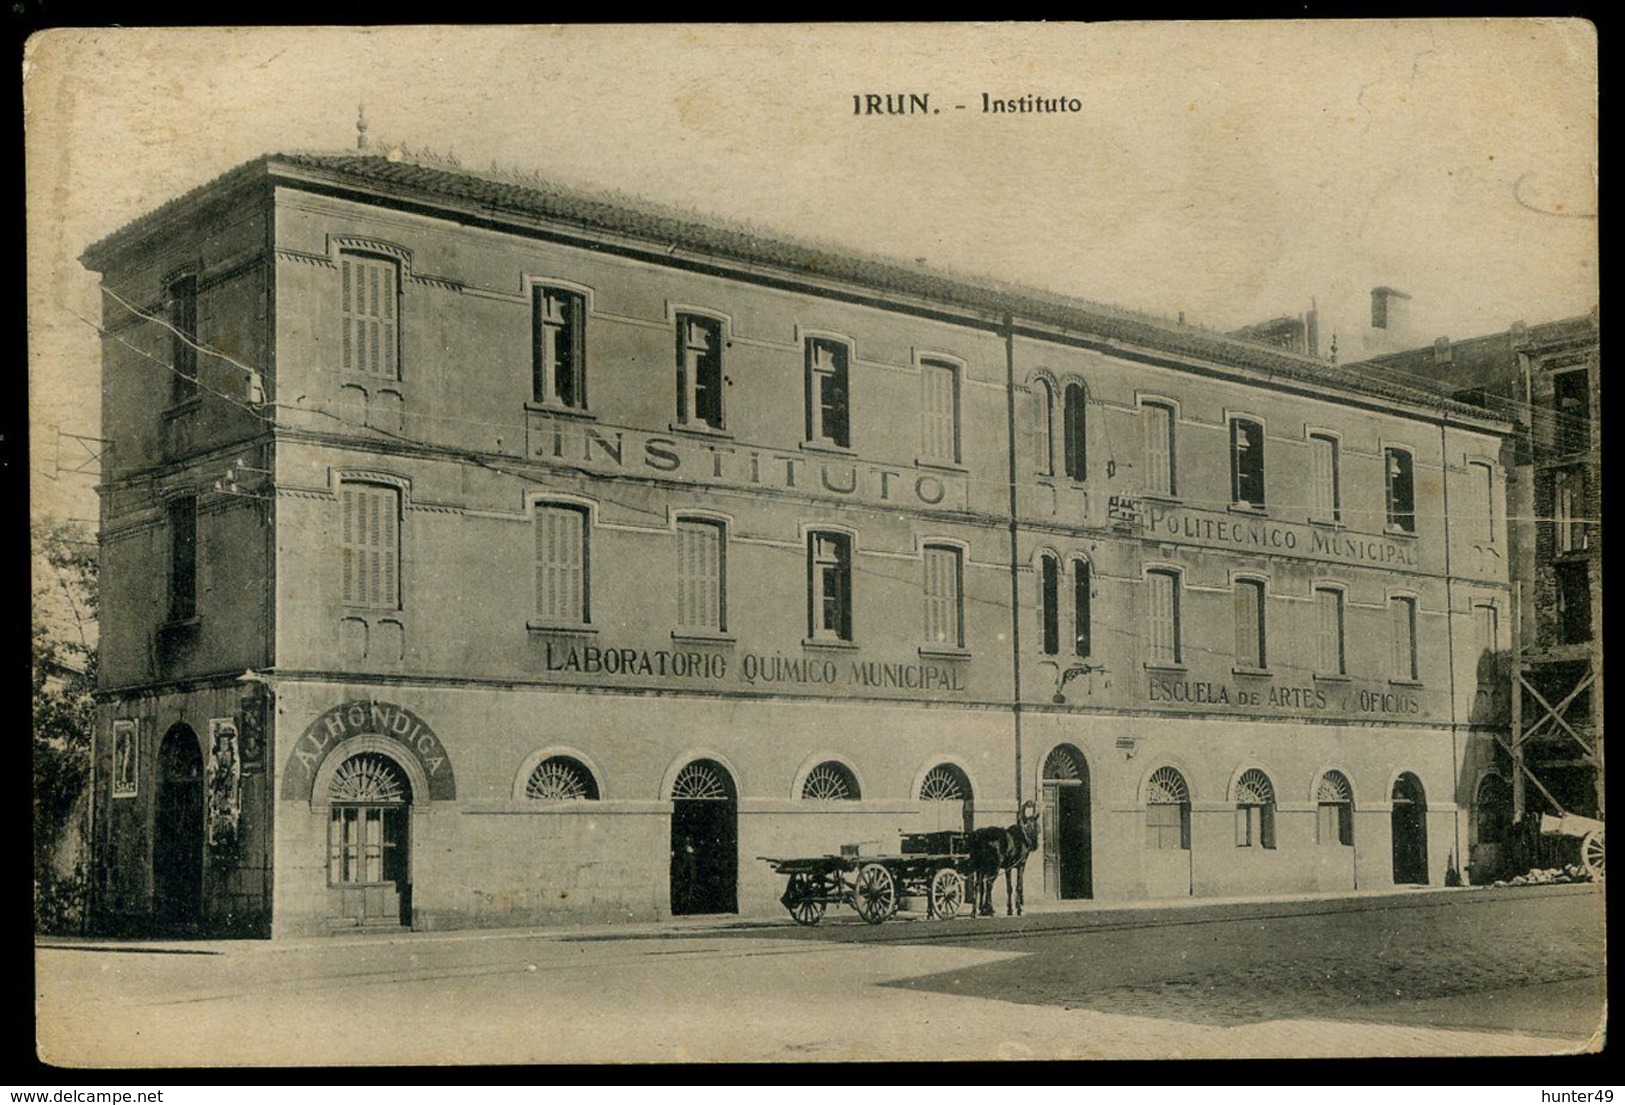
<point>701,780</point>
<point>369,795</point>
<point>1334,801</point>
<point>948,785</point>
<point>1049,613</point>
<point>1255,810</point>
<point>1167,811</point>
<point>1043,421</point>
<point>830,781</point>
<point>561,779</point>
<point>1493,809</point>
<point>1074,426</point>
<point>1080,607</point>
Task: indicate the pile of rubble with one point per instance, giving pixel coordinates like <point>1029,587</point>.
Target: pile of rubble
<point>1548,876</point>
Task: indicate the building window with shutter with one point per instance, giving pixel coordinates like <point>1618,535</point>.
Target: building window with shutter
<point>1162,600</point>
<point>561,565</point>
<point>1249,602</point>
<point>829,586</point>
<point>1043,427</point>
<point>1326,495</point>
<point>182,294</point>
<point>558,347</point>
<point>828,416</point>
<point>1246,462</point>
<point>1157,419</point>
<point>1081,583</point>
<point>371,288</point>
<point>944,597</point>
<point>1049,597</point>
<point>1568,499</point>
<point>1167,811</point>
<point>369,540</point>
<point>182,559</point>
<point>1329,635</point>
<point>701,576</point>
<point>1402,614</point>
<point>939,406</point>
<point>1255,810</point>
<point>699,371</point>
<point>1334,810</point>
<point>1075,431</point>
<point>1399,467</point>
<point>1481,479</point>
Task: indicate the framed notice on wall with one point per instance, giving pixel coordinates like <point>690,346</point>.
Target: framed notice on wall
<point>126,753</point>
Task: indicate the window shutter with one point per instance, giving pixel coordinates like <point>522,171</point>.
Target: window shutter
<point>1331,631</point>
<point>1158,422</point>
<point>1043,418</point>
<point>1403,612</point>
<point>1164,630</point>
<point>560,564</point>
<point>1323,476</point>
<point>1248,652</point>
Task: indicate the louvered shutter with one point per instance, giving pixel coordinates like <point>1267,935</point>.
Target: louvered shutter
<point>560,565</point>
<point>369,289</point>
<point>1164,631</point>
<point>1158,422</point>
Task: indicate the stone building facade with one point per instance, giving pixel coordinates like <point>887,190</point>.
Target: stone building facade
<point>478,553</point>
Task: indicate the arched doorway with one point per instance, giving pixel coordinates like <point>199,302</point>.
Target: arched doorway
<point>1410,830</point>
<point>704,840</point>
<point>1487,857</point>
<point>177,831</point>
<point>369,842</point>
<point>1068,862</point>
<point>946,792</point>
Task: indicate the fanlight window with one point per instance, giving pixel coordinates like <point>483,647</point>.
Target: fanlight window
<point>1254,789</point>
<point>1062,765</point>
<point>830,782</point>
<point>1334,788</point>
<point>1166,787</point>
<point>700,780</point>
<point>943,784</point>
<point>368,777</point>
<point>561,779</point>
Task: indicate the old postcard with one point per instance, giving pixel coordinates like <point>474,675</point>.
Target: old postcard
<point>815,542</point>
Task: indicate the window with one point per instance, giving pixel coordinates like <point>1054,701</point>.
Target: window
<point>1402,615</point>
<point>370,291</point>
<point>1482,504</point>
<point>830,781</point>
<point>944,606</point>
<point>1167,811</point>
<point>365,828</point>
<point>558,359</point>
<point>1162,589</point>
<point>1075,431</point>
<point>1493,806</point>
<point>1246,462</point>
<point>561,565</point>
<point>1401,490</point>
<point>1043,421</point>
<point>369,538</point>
<point>827,417</point>
<point>1334,808</point>
<point>1329,614</point>
<point>1326,500</point>
<point>1250,623</point>
<point>1573,602</point>
<point>1568,510</point>
<point>561,779</point>
<point>1080,607</point>
<point>183,339</point>
<point>701,572</point>
<point>1255,810</point>
<point>1158,421</point>
<point>699,371</point>
<point>1486,628</point>
<point>939,405</point>
<point>1049,603</point>
<point>829,587</point>
<point>1571,400</point>
<point>182,559</point>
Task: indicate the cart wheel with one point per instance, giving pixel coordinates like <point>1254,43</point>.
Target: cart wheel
<point>1591,854</point>
<point>875,893</point>
<point>800,898</point>
<point>947,893</point>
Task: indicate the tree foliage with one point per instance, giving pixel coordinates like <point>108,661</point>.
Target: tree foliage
<point>64,681</point>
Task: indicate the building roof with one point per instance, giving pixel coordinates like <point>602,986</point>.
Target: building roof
<point>499,198</point>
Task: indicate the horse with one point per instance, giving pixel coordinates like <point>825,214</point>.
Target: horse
<point>993,850</point>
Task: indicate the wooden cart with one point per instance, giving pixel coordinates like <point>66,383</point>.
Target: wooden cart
<point>933,867</point>
<point>1588,830</point>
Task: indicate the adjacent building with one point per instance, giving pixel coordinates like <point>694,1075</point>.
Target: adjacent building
<point>1546,716</point>
<point>481,553</point>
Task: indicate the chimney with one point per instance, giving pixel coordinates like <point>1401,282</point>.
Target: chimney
<point>1389,310</point>
<point>1311,330</point>
<point>361,127</point>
